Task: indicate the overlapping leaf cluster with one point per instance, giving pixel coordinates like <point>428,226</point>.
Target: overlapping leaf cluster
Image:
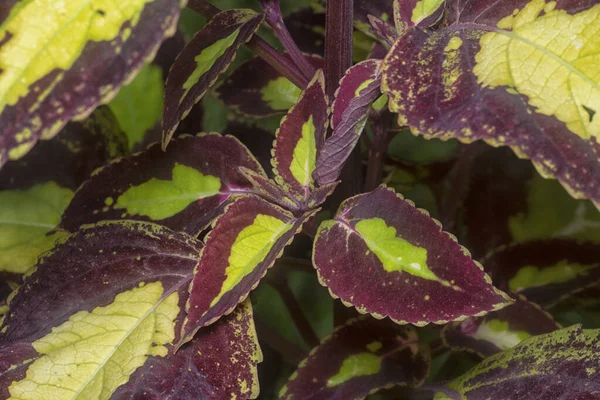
<point>130,274</point>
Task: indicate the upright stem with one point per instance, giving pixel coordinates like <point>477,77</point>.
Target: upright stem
<point>280,62</point>
<point>381,140</point>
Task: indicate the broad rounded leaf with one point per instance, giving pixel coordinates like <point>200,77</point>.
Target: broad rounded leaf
<point>58,61</point>
<point>35,190</point>
<point>184,188</point>
<point>562,365</point>
<point>99,305</point>
<point>359,358</point>
<point>257,90</point>
<point>499,330</point>
<point>202,61</point>
<point>504,73</point>
<point>385,257</point>
<point>545,271</point>
<point>358,89</point>
<point>220,363</point>
<point>300,138</point>
<point>244,242</point>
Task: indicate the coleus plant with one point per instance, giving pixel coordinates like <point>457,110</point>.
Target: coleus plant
<point>130,275</point>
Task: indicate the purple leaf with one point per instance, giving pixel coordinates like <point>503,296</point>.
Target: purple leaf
<point>202,61</point>
<point>387,258</point>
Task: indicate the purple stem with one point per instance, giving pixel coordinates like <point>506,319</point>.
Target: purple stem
<point>280,62</point>
<point>275,19</point>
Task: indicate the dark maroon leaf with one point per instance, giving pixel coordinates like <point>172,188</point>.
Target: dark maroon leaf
<point>202,61</point>
<point>358,89</point>
<point>499,330</point>
<point>545,271</point>
<point>385,257</point>
<point>184,188</point>
<point>360,358</point>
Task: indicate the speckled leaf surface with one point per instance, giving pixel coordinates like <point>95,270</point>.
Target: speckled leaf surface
<point>59,60</point>
<point>183,188</point>
<point>545,271</point>
<point>257,90</point>
<point>300,138</point>
<point>360,358</point>
<point>202,61</point>
<point>109,293</point>
<point>358,89</point>
<point>385,257</point>
<point>562,365</point>
<point>36,189</point>
<point>220,363</point>
<point>499,330</point>
<point>245,241</point>
<point>102,311</point>
<point>501,72</point>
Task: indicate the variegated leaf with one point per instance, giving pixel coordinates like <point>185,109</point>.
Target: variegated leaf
<point>59,60</point>
<point>545,271</point>
<point>358,89</point>
<point>499,330</point>
<point>502,71</point>
<point>563,365</point>
<point>300,138</point>
<point>385,257</point>
<point>36,189</point>
<point>358,359</point>
<point>202,61</point>
<point>421,13</point>
<point>184,188</point>
<point>244,242</point>
<point>99,316</point>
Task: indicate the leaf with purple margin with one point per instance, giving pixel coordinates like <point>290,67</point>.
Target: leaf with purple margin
<point>219,363</point>
<point>184,188</point>
<point>545,271</point>
<point>244,243</point>
<point>499,330</point>
<point>421,13</point>
<point>267,93</point>
<point>54,72</point>
<point>561,365</point>
<point>384,31</point>
<point>300,138</point>
<point>112,292</point>
<point>358,89</point>
<point>491,74</point>
<point>387,258</point>
<point>202,61</point>
<point>36,189</point>
<point>358,359</point>
<point>382,9</point>
<point>269,189</point>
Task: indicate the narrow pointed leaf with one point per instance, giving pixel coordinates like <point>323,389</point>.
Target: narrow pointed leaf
<point>220,363</point>
<point>421,13</point>
<point>267,93</point>
<point>270,190</point>
<point>501,72</point>
<point>35,190</point>
<point>562,365</point>
<point>382,9</point>
<point>384,31</point>
<point>385,257</point>
<point>358,89</point>
<point>244,242</point>
<point>184,188</point>
<point>499,330</point>
<point>358,359</point>
<point>59,62</point>
<point>202,61</point>
<point>300,139</point>
<point>545,271</point>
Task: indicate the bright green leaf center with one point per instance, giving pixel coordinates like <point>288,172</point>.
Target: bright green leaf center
<point>498,332</point>
<point>424,9</point>
<point>531,276</point>
<point>281,94</point>
<point>356,365</point>
<point>395,253</point>
<point>160,199</point>
<point>305,154</point>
